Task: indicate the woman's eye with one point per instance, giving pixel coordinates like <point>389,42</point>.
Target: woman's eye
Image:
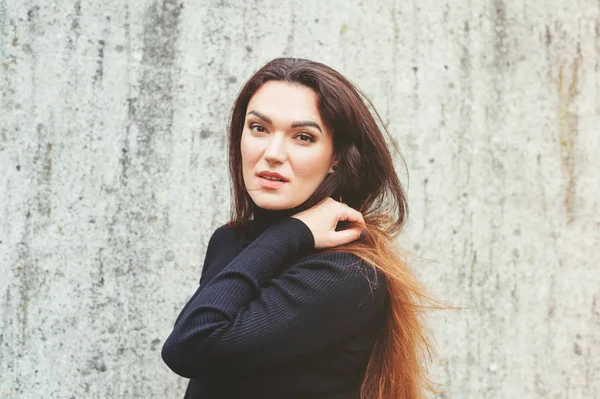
<point>307,138</point>
<point>258,128</point>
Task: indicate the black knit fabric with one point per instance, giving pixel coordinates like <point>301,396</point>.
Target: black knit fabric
<point>273,318</point>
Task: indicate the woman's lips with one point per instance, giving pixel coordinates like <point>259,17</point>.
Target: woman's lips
<point>270,183</point>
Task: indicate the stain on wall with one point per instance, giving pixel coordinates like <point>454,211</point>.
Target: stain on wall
<point>568,88</point>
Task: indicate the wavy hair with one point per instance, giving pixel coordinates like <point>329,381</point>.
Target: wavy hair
<point>366,179</point>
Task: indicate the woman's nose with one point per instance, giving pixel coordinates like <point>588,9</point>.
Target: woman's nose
<point>275,151</point>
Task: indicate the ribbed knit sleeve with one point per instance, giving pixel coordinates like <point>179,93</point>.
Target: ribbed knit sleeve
<point>261,311</point>
<point>216,245</point>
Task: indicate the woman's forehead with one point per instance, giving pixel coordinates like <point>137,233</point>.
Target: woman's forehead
<point>285,102</point>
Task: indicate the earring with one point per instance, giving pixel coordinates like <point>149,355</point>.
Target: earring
<point>334,167</point>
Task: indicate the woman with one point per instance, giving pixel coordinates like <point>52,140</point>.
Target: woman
<point>292,303</point>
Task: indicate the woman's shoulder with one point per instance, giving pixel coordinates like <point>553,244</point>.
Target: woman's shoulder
<point>229,231</point>
<point>223,230</point>
<point>341,259</point>
<point>350,270</point>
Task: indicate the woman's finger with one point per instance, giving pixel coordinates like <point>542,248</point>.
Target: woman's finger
<point>345,236</point>
<point>352,215</point>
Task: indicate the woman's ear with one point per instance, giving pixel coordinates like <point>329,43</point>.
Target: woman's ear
<point>334,164</point>
<point>333,167</point>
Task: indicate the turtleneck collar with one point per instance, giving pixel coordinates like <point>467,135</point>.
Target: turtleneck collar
<point>263,218</point>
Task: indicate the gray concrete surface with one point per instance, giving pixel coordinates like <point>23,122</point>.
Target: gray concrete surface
<point>113,176</point>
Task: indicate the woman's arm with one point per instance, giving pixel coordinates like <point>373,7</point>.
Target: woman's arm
<point>247,318</point>
<point>213,250</point>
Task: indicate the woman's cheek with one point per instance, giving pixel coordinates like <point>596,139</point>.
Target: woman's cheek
<point>249,149</point>
<point>311,166</point>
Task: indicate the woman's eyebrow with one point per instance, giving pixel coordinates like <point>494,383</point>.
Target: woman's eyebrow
<point>295,124</point>
<point>261,116</point>
<point>307,123</point>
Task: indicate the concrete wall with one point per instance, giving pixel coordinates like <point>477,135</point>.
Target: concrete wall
<point>113,176</point>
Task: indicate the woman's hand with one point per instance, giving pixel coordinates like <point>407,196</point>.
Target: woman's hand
<point>322,220</point>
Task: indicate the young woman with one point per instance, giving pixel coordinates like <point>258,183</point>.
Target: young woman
<point>302,293</point>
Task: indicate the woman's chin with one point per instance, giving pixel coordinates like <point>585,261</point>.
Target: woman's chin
<point>270,206</point>
<point>274,204</point>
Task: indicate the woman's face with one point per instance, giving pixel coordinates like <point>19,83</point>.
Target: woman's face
<point>286,149</point>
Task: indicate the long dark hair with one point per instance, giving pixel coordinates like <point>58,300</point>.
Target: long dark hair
<point>367,181</point>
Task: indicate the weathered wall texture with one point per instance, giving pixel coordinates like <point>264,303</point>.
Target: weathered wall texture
<point>113,176</point>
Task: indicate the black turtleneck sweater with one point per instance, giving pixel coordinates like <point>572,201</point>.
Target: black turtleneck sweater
<point>275,319</point>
